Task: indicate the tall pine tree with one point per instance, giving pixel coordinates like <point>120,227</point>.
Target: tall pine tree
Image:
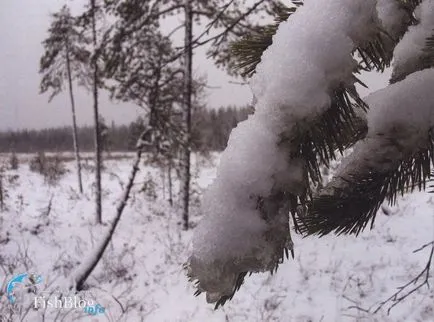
<point>65,58</point>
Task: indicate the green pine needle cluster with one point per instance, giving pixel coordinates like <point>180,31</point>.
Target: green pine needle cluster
<point>248,50</point>
<point>350,207</point>
<point>350,210</point>
<point>340,127</point>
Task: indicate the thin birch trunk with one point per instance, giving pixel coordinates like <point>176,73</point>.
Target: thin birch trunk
<point>74,121</point>
<point>2,201</point>
<point>163,181</point>
<point>97,135</point>
<point>169,172</point>
<point>188,60</point>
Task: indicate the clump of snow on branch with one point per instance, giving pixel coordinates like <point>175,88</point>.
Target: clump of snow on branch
<point>409,54</point>
<point>392,17</point>
<point>311,54</point>
<point>407,105</point>
<point>399,120</point>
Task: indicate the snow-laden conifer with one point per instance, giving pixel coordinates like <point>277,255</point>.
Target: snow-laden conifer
<point>246,208</point>
<point>395,156</point>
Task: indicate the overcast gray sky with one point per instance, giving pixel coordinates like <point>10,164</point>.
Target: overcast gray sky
<point>23,25</point>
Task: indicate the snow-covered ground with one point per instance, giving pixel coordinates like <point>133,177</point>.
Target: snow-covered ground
<point>141,277</point>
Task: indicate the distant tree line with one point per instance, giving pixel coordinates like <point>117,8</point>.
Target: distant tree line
<point>210,132</point>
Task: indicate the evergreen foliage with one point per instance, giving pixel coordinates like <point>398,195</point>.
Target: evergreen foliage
<point>382,169</point>
<point>338,129</point>
<point>65,42</point>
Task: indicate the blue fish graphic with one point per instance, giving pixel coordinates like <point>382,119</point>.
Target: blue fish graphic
<point>19,279</point>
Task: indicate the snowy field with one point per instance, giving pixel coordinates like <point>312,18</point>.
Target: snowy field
<point>49,230</point>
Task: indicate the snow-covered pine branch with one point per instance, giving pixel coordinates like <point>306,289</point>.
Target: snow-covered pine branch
<point>396,155</point>
<point>393,17</point>
<point>409,54</point>
<point>246,224</point>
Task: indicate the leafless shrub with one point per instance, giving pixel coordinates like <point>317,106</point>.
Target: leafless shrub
<point>118,267</point>
<point>7,181</point>
<point>3,192</point>
<point>13,161</point>
<point>52,169</point>
<point>89,166</point>
<point>65,264</point>
<point>269,310</point>
<point>38,163</point>
<point>55,171</point>
<point>149,188</point>
<point>415,284</point>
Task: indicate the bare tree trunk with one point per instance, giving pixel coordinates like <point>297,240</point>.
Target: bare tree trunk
<point>163,181</point>
<point>86,268</point>
<point>74,121</point>
<point>2,201</point>
<point>97,134</point>
<point>169,177</point>
<point>188,60</point>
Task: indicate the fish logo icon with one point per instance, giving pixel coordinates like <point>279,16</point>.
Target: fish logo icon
<point>29,280</point>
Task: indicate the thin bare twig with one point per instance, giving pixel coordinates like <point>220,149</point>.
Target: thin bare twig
<point>47,210</point>
<point>424,246</point>
<point>239,83</point>
<point>402,293</point>
<point>217,38</point>
<point>212,23</point>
